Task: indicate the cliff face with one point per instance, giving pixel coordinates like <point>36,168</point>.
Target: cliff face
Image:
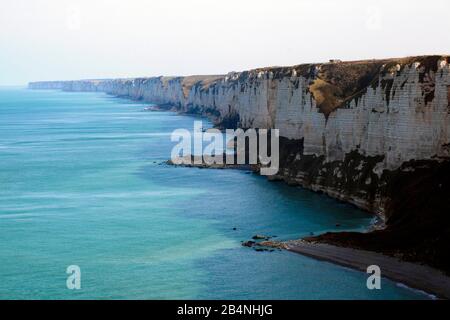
<point>357,131</point>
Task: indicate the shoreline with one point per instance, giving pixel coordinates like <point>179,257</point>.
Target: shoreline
<point>415,276</point>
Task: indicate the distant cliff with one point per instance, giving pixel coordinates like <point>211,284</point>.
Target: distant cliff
<point>374,133</point>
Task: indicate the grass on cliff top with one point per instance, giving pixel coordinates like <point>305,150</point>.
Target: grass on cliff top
<point>205,81</point>
<point>338,83</point>
<point>326,95</point>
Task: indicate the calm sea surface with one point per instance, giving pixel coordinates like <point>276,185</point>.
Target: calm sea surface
<point>81,183</point>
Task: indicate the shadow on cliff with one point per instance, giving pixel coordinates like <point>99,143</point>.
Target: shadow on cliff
<point>418,217</point>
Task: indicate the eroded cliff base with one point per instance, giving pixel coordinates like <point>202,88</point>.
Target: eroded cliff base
<point>413,201</point>
<point>418,218</point>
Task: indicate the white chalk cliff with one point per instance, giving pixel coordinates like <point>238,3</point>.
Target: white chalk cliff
<point>395,110</point>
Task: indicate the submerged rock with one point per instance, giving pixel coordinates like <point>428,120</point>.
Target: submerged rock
<point>260,237</point>
<point>249,244</point>
<point>152,108</point>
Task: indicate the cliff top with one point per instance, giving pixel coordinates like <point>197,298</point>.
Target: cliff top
<point>332,84</point>
<point>205,81</point>
<point>335,83</point>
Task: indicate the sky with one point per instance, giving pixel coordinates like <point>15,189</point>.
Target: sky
<point>87,39</point>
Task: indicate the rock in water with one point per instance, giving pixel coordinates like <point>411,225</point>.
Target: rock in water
<point>260,237</point>
<point>248,244</point>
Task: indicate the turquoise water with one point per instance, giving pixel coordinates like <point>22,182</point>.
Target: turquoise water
<point>81,183</point>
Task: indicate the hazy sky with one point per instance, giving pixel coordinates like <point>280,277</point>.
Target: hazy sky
<point>75,39</point>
